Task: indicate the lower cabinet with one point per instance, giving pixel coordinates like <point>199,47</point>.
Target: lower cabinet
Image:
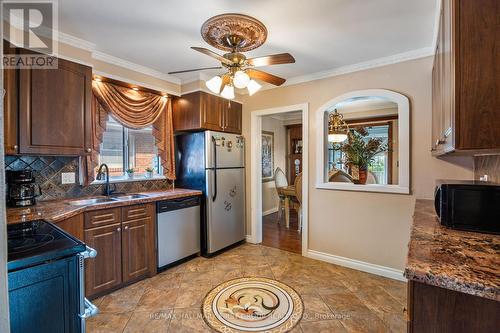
<point>138,251</point>
<point>103,272</point>
<point>437,310</point>
<point>73,226</point>
<point>125,248</point>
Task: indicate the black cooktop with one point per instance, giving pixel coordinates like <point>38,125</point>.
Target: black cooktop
<point>35,242</point>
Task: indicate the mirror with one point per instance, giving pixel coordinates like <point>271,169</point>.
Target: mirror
<point>373,154</point>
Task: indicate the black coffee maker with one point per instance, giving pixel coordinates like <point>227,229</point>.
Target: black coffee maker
<point>21,188</point>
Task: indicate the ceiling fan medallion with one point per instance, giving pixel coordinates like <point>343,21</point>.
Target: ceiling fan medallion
<point>229,31</point>
<point>237,33</point>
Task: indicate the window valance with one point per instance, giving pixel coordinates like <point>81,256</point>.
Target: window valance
<point>136,110</point>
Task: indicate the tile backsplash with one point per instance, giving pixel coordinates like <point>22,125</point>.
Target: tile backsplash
<point>48,172</point>
<point>487,165</point>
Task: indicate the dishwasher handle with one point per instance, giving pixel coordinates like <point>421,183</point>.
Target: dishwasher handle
<point>175,204</point>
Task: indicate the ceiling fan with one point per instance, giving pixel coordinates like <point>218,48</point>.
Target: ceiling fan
<point>237,33</point>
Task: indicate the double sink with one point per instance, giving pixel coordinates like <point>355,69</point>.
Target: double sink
<point>112,198</point>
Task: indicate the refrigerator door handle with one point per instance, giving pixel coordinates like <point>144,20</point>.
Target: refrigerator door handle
<point>214,195</point>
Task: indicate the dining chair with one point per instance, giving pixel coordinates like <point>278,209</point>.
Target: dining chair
<point>279,182</point>
<point>298,197</point>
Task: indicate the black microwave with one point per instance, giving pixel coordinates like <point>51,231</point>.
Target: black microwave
<point>468,205</point>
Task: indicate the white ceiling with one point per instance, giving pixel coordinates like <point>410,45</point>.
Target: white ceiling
<point>320,34</point>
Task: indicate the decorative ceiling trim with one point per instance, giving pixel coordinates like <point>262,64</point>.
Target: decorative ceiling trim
<point>75,41</point>
<point>389,60</point>
<point>249,33</point>
<point>138,83</point>
<point>101,56</point>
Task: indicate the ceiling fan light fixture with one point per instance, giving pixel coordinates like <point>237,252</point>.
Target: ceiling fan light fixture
<point>214,84</point>
<point>241,79</point>
<point>228,92</point>
<point>253,87</point>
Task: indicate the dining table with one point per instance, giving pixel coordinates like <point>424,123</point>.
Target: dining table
<point>289,193</point>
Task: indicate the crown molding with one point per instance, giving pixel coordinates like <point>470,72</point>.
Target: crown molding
<point>75,41</point>
<point>138,83</point>
<point>379,62</point>
<point>104,57</point>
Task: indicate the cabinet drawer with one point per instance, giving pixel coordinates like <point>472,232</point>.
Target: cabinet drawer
<point>102,217</point>
<point>136,212</point>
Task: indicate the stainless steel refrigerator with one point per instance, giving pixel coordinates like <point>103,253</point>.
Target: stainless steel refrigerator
<point>213,162</point>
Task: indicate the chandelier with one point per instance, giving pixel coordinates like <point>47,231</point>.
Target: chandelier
<point>337,127</point>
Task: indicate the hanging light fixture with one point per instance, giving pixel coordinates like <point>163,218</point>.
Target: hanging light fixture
<point>241,79</point>
<point>337,127</point>
<point>253,87</point>
<point>228,92</point>
<point>214,84</point>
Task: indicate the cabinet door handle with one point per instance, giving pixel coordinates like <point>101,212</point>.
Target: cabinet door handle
<point>88,150</point>
<point>15,147</point>
<point>118,229</point>
<point>126,228</point>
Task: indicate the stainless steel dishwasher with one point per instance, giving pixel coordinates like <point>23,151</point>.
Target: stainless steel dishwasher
<point>178,230</point>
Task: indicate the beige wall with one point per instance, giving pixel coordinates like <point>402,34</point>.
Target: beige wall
<point>270,199</point>
<point>370,227</point>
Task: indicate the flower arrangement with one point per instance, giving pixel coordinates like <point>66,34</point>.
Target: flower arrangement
<point>359,153</point>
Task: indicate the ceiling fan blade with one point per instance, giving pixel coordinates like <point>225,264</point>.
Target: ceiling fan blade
<point>212,54</point>
<point>274,59</point>
<point>194,70</point>
<point>266,77</point>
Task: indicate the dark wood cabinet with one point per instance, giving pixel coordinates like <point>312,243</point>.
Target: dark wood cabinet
<point>465,78</point>
<point>104,272</point>
<point>436,310</point>
<point>200,110</point>
<point>73,226</point>
<point>10,120</point>
<point>135,249</point>
<point>138,241</point>
<point>125,242</point>
<point>47,111</point>
<point>54,110</point>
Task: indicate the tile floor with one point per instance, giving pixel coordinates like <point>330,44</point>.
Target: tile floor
<point>336,299</point>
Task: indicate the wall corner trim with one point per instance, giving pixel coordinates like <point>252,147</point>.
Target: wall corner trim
<point>363,266</point>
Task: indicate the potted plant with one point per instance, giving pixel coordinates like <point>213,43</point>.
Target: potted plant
<point>130,173</point>
<point>359,153</point>
<point>149,172</point>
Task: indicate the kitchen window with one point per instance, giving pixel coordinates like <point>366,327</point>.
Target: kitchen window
<point>124,148</point>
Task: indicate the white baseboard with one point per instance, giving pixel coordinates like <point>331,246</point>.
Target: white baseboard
<point>270,211</point>
<point>250,239</point>
<point>357,264</point>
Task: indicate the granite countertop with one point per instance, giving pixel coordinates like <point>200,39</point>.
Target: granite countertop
<point>467,262</point>
<point>57,210</point>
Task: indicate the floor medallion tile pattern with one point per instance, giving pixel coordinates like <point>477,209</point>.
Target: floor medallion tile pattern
<point>252,304</point>
<point>335,298</point>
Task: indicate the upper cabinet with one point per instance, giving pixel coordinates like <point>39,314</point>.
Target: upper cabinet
<point>465,78</point>
<point>48,110</point>
<point>200,110</point>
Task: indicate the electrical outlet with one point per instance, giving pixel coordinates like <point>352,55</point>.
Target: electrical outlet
<point>68,177</point>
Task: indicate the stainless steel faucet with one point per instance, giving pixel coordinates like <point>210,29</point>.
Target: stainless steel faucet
<point>107,191</point>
